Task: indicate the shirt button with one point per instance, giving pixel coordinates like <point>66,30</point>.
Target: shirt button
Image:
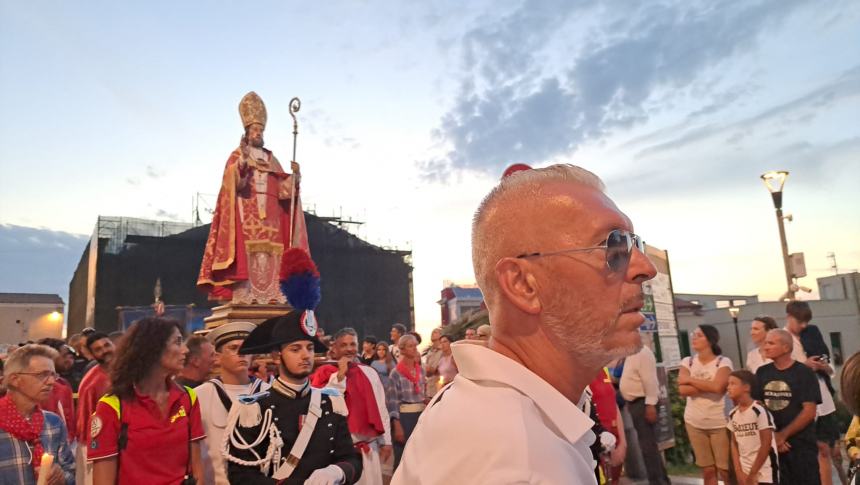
<point>326,412</point>
<point>329,425</point>
<point>331,452</point>
<point>331,439</point>
<point>276,419</point>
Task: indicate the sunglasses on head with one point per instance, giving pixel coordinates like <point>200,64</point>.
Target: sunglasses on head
<point>618,245</point>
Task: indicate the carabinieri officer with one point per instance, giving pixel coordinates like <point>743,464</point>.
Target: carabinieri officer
<point>292,432</point>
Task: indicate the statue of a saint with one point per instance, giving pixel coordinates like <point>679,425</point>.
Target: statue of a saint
<point>251,226</point>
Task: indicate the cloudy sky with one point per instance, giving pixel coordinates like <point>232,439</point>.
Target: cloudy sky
<point>410,112</point>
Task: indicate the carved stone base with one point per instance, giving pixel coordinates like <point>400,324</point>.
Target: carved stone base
<point>233,312</point>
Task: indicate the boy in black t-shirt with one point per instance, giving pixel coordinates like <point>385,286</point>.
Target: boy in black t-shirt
<point>790,392</point>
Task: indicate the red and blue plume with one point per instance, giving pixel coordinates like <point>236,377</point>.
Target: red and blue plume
<point>301,280</point>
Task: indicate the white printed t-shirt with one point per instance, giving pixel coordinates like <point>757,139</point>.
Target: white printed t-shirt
<point>706,410</point>
<point>745,425</point>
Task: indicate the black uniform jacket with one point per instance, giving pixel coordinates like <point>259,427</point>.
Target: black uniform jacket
<point>330,443</point>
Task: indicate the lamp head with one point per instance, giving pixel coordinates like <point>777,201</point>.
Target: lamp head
<point>774,181</point>
<point>734,312</point>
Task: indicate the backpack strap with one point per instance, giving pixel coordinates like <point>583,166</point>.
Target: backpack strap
<point>222,394</point>
<point>192,397</point>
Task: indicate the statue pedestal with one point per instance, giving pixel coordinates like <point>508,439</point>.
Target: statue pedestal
<point>244,313</point>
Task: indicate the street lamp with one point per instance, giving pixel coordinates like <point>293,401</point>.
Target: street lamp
<point>774,181</point>
<point>734,312</point>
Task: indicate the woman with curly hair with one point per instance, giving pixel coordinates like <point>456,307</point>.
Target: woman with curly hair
<point>147,430</point>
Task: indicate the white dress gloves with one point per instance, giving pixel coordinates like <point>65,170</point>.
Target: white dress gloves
<point>330,475</point>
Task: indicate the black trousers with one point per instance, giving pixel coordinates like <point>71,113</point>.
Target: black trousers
<point>799,466</point>
<point>408,421</point>
<point>648,443</point>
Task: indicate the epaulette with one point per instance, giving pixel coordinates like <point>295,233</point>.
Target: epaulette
<point>338,403</point>
<point>252,398</point>
<point>250,413</point>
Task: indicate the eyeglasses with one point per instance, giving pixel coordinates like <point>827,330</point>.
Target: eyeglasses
<point>618,245</point>
<point>42,376</point>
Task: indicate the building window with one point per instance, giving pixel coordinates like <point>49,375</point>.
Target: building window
<point>739,302</point>
<point>684,338</point>
<point>723,303</point>
<point>836,346</point>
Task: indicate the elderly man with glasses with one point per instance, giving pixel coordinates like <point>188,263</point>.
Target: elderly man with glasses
<point>561,273</point>
<point>27,433</point>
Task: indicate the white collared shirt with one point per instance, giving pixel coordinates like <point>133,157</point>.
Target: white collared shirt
<point>639,378</point>
<point>498,422</point>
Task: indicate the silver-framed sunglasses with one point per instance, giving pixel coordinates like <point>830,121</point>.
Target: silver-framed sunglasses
<point>618,245</point>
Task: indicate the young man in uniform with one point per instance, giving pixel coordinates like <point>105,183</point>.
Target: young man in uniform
<point>790,392</point>
<point>218,396</point>
<point>368,418</point>
<point>292,432</point>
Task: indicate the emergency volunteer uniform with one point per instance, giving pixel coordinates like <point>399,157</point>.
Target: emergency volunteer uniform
<point>156,447</point>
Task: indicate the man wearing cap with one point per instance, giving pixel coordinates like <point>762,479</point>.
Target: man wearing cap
<point>257,217</point>
<point>561,272</point>
<point>219,395</point>
<point>364,394</point>
<point>292,433</point>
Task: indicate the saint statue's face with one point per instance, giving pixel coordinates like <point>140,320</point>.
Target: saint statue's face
<point>255,135</point>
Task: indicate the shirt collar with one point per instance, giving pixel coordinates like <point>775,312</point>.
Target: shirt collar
<point>174,393</point>
<point>292,391</point>
<point>478,363</point>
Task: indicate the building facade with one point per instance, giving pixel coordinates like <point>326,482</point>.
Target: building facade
<point>458,301</point>
<point>363,286</point>
<point>837,315</point>
<point>30,316</point>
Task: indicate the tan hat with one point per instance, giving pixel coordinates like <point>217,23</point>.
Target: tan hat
<point>252,110</point>
<point>230,331</point>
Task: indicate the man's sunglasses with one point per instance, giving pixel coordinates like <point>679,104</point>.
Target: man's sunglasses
<point>618,245</point>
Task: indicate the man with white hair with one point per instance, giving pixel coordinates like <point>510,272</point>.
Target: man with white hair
<point>405,394</point>
<point>561,273</point>
<point>26,431</point>
<point>790,392</point>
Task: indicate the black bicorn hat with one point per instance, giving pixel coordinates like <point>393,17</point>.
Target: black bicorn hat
<point>270,335</point>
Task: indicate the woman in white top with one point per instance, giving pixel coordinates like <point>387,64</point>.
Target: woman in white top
<point>703,379</point>
<point>447,367</point>
<point>758,331</point>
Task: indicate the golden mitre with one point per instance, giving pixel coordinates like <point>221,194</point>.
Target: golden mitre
<point>252,110</point>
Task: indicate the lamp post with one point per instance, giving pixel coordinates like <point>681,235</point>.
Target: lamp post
<point>734,312</point>
<point>774,181</point>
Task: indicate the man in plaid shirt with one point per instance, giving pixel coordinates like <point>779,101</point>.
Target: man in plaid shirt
<point>405,397</point>
<point>26,432</point>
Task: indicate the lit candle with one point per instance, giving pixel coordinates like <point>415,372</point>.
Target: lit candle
<point>45,468</point>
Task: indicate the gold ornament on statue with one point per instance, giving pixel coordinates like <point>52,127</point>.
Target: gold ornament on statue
<point>252,110</point>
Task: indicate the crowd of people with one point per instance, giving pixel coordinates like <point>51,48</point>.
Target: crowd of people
<point>781,428</point>
<point>536,398</point>
<point>100,396</point>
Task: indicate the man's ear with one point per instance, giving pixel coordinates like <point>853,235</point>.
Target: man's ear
<point>518,284</point>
